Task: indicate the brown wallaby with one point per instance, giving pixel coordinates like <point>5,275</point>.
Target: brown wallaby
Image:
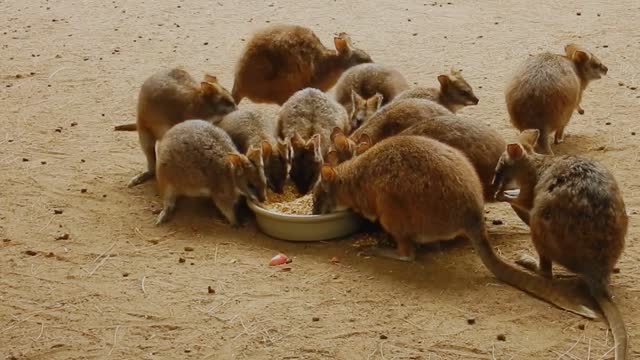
<point>196,158</point>
<point>454,93</point>
<point>282,59</point>
<point>547,88</point>
<point>167,98</point>
<point>577,218</point>
<point>251,128</point>
<point>421,190</point>
<point>396,117</point>
<point>307,119</point>
<point>365,87</point>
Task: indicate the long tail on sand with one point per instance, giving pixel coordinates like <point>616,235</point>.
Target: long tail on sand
<point>126,127</point>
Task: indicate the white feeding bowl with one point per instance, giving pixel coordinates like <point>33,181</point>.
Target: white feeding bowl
<point>306,227</point>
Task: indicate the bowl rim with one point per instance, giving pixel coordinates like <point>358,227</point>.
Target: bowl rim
<point>297,218</point>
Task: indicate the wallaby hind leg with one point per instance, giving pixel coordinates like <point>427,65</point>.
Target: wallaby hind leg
<point>168,207</point>
<point>544,146</point>
<point>227,207</point>
<point>543,267</point>
<point>559,136</point>
<point>148,144</point>
<point>405,250</point>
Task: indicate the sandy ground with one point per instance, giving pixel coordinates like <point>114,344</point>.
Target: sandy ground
<point>98,280</point>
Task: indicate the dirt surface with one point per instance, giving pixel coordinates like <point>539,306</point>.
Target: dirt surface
<point>85,274</point>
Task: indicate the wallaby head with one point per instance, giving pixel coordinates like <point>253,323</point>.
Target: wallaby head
<point>214,98</point>
<point>456,89</point>
<point>513,160</point>
<point>363,108</point>
<point>277,163</point>
<point>247,172</point>
<point>587,64</point>
<point>348,54</point>
<point>324,193</point>
<point>306,162</point>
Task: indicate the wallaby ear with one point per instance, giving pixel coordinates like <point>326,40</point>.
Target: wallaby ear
<point>570,49</point>
<point>365,138</point>
<point>335,132</point>
<point>210,79</point>
<point>332,158</point>
<point>341,143</point>
<point>327,174</point>
<point>515,151</point>
<point>297,141</point>
<point>362,147</point>
<point>455,72</point>
<point>317,151</point>
<point>209,88</point>
<point>254,154</point>
<point>267,150</point>
<point>444,80</point>
<point>355,97</point>
<point>235,162</point>
<point>580,57</point>
<point>285,149</point>
<point>342,45</point>
<point>529,137</point>
<point>376,101</point>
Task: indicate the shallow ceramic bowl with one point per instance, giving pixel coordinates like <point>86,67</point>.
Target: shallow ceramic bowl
<point>306,227</point>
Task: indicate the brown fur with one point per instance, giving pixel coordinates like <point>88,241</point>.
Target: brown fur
<point>282,59</point>
<point>251,128</point>
<point>170,97</point>
<point>577,215</point>
<point>482,145</point>
<point>421,191</point>
<point>396,117</point>
<point>196,158</point>
<point>309,113</point>
<point>370,82</point>
<point>547,88</point>
<point>454,93</point>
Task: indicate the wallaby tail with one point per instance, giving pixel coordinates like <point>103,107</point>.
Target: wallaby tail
<point>613,316</point>
<point>535,285</point>
<point>126,127</point>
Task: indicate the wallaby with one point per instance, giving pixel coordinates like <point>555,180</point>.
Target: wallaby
<point>454,93</point>
<point>251,128</point>
<point>307,119</point>
<point>167,98</point>
<point>396,117</point>
<point>577,216</point>
<point>282,59</point>
<point>547,88</point>
<point>196,158</point>
<point>421,190</point>
<point>364,88</point>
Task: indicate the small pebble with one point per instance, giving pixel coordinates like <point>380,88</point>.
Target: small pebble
<point>64,236</point>
<point>25,159</point>
<point>83,190</point>
<point>206,43</point>
<point>31,253</point>
<point>211,290</point>
<point>18,76</point>
<point>383,337</point>
<point>502,337</point>
<point>581,326</point>
<point>616,270</point>
<point>181,260</point>
<point>578,13</point>
<point>607,123</point>
<point>187,351</point>
<point>620,83</point>
<point>50,255</point>
<point>125,274</point>
<point>6,240</point>
<point>605,46</point>
<point>497,222</point>
<point>633,87</point>
<point>82,160</point>
<point>188,248</point>
<point>471,321</point>
<point>57,211</point>
<point>43,162</point>
<point>315,318</point>
<point>633,133</point>
<point>74,123</point>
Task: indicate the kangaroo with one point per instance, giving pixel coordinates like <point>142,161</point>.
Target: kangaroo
<point>251,128</point>
<point>196,158</point>
<point>421,190</point>
<point>364,88</point>
<point>547,88</point>
<point>307,119</point>
<point>167,98</point>
<point>454,93</point>
<point>282,59</point>
<point>577,215</point>
<point>396,117</point>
